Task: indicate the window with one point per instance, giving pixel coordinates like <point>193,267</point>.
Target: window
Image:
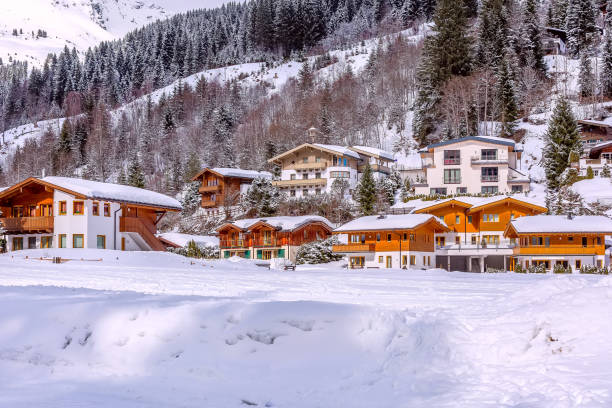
<point>318,191</point>
<point>18,211</point>
<point>78,207</point>
<point>77,240</point>
<point>490,217</point>
<point>469,219</point>
<point>405,237</point>
<point>305,192</point>
<point>305,176</point>
<point>378,237</point>
<point>292,177</point>
<point>62,208</point>
<point>388,237</point>
<point>404,259</point>
<point>355,238</point>
<point>584,242</point>
<point>318,175</point>
<point>412,260</point>
<point>317,159</point>
<point>461,190</point>
<point>428,260</point>
<point>438,191</point>
<point>599,263</point>
<point>490,239</point>
<point>457,219</point>
<point>570,239</point>
<point>95,208</point>
<point>578,264</point>
<point>31,242</point>
<point>488,189</point>
<point>17,244</point>
<point>46,242</point>
<point>46,210</point>
<point>412,237</point>
<point>452,157</point>
<point>380,259</point>
<point>345,162</point>
<point>517,189</point>
<point>474,239</point>
<point>292,193</point>
<point>101,241</point>
<point>305,159</point>
<point>488,154</point>
<point>31,211</point>
<point>62,240</point>
<point>488,174</point>
<point>357,261</point>
<point>457,240</point>
<point>598,240</point>
<point>106,209</point>
<point>452,176</point>
<point>441,218</point>
<point>340,174</point>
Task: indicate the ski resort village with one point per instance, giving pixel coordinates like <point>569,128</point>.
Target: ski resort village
<point>306,203</point>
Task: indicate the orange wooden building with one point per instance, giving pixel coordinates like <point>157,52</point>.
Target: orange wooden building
<point>271,237</point>
<point>221,187</point>
<point>390,241</point>
<point>549,239</point>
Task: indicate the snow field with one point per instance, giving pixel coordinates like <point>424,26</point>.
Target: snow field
<point>154,329</point>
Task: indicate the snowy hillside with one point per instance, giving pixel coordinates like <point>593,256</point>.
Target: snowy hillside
<point>142,329</point>
<point>77,23</point>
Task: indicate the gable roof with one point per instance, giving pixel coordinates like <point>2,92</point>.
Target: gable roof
<point>485,139</point>
<point>391,222</point>
<point>560,224</point>
<point>595,151</point>
<point>596,123</point>
<point>87,189</point>
<point>333,149</point>
<point>373,152</point>
<point>233,172</point>
<point>281,223</point>
<point>474,204</point>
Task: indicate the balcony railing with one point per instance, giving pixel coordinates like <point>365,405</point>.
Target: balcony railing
<point>144,228</point>
<point>353,248</point>
<point>488,160</point>
<point>262,242</point>
<point>300,182</point>
<point>311,165</point>
<point>208,203</point>
<point>489,178</point>
<point>452,161</point>
<point>209,189</point>
<point>376,167</point>
<point>560,250</point>
<point>455,180</point>
<point>233,243</point>
<point>27,224</point>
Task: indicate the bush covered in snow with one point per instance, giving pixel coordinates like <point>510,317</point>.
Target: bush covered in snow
<point>193,250</point>
<point>594,270</point>
<point>317,252</point>
<point>559,268</point>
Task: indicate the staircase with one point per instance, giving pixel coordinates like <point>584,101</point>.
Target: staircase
<point>142,228</point>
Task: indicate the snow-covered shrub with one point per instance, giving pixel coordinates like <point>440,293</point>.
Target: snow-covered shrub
<point>519,269</point>
<point>594,270</point>
<point>559,268</point>
<point>541,268</point>
<point>317,252</point>
<point>193,250</point>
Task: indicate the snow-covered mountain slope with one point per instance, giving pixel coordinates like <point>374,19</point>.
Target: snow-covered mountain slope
<point>77,23</point>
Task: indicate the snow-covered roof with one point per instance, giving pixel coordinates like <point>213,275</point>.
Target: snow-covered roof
<point>230,172</point>
<point>470,202</point>
<point>562,224</point>
<point>283,223</point>
<point>595,189</point>
<point>182,239</point>
<point>375,152</point>
<point>486,139</point>
<point>595,151</point>
<point>599,123</point>
<point>113,192</point>
<point>388,222</point>
<point>343,150</point>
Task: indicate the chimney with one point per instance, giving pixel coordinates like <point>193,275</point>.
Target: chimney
<point>44,173</point>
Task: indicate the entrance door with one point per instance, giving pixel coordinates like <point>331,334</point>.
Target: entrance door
<point>389,262</point>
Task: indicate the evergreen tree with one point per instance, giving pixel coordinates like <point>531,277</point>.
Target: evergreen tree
<point>262,198</point>
<point>589,173</point>
<point>534,36</point>
<point>191,197</point>
<point>122,178</point>
<point>135,176</point>
<point>605,171</point>
<point>586,80</point>
<point>606,63</point>
<point>580,26</point>
<point>562,140</point>
<point>366,191</point>
<point>65,137</point>
<point>446,53</point>
<point>507,101</point>
<point>305,78</point>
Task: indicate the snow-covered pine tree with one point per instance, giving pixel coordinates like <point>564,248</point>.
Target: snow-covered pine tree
<point>305,78</point>
<point>605,171</point>
<point>606,62</point>
<point>580,26</point>
<point>386,189</point>
<point>135,176</point>
<point>532,27</point>
<point>589,173</point>
<point>366,191</point>
<point>586,79</point>
<point>507,100</point>
<point>190,197</point>
<point>262,198</point>
<point>562,139</point>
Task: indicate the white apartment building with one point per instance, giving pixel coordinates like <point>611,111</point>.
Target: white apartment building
<point>474,164</point>
<point>312,168</point>
<point>62,212</point>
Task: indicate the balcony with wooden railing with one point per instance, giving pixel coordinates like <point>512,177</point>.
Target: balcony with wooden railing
<point>208,203</point>
<point>300,182</point>
<point>560,250</point>
<point>345,248</point>
<point>144,228</point>
<point>20,225</point>
<point>266,242</point>
<point>376,167</point>
<point>209,189</point>
<point>311,165</point>
<point>233,243</point>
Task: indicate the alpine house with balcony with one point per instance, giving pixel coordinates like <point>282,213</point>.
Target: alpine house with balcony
<point>312,168</point>
<point>596,158</point>
<point>474,164</point>
<point>221,187</point>
<point>62,212</point>
<point>390,241</point>
<point>271,237</point>
<point>556,239</point>
<point>475,237</point>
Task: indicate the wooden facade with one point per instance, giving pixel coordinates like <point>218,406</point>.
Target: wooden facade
<point>218,190</point>
<point>593,132</point>
<point>264,241</point>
